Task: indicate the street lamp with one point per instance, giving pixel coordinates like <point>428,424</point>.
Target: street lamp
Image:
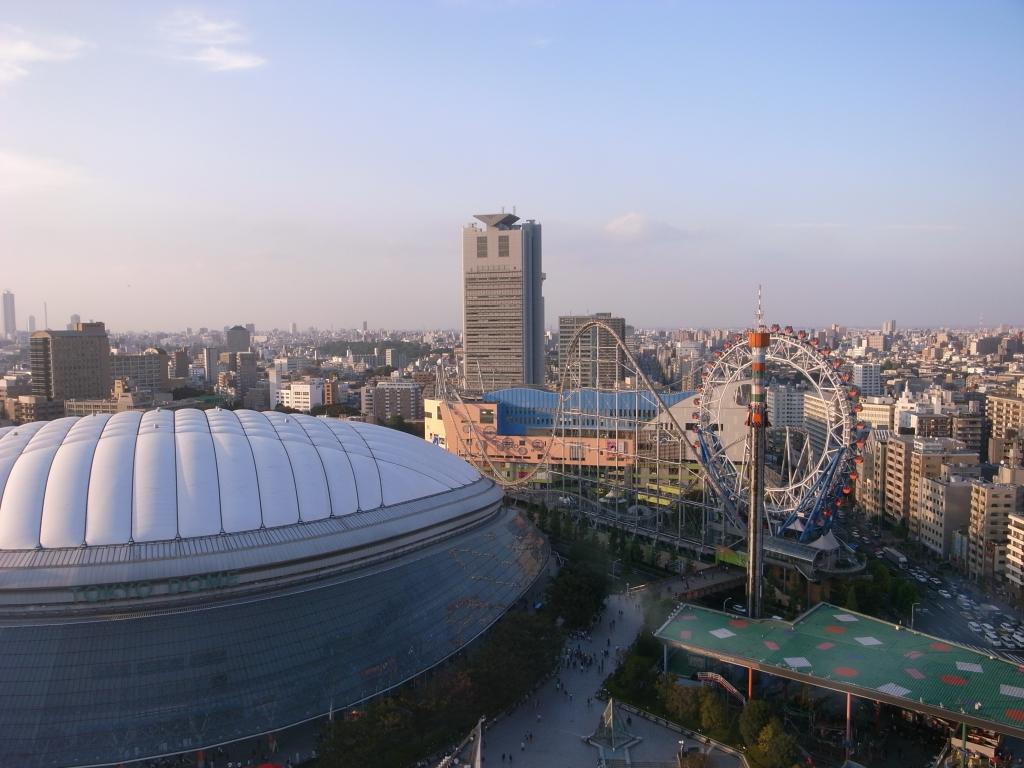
<point>912,607</point>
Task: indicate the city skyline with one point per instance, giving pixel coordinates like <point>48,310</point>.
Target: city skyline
<point>677,155</point>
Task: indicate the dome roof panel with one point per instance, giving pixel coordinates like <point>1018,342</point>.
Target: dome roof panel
<point>146,477</point>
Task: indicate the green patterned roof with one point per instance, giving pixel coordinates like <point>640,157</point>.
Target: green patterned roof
<point>873,659</point>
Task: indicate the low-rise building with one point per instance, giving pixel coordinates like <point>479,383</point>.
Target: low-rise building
<point>25,408</point>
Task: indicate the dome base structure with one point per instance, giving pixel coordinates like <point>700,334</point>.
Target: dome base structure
<point>132,650</point>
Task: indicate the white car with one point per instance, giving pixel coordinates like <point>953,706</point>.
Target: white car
<point>1018,638</point>
<point>974,626</point>
<point>945,594</point>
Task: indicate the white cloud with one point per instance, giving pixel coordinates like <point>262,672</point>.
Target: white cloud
<point>638,226</point>
<point>217,44</point>
<point>18,51</point>
<point>223,59</point>
<point>23,173</point>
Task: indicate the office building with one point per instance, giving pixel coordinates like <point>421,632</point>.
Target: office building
<point>10,321</point>
<point>143,373</point>
<point>395,358</point>
<point>601,359</point>
<point>238,339</point>
<point>503,305</point>
<point>871,485</point>
<point>889,327</point>
<point>301,395</point>
<point>385,399</point>
<point>71,364</point>
<point>878,412</point>
<point>31,323</point>
<point>180,361</point>
<point>1015,552</point>
<point>816,422</point>
<point>211,364</point>
<point>867,377</point>
<point>1006,416</point>
<point>785,406</point>
<point>879,342</point>
<point>910,460</point>
<point>946,507</point>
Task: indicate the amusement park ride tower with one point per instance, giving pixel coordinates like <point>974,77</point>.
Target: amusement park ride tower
<point>758,422</point>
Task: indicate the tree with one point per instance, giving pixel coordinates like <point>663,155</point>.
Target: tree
<point>714,715</point>
<point>903,595</point>
<point>755,716</point>
<point>398,422</point>
<point>775,747</point>
<point>681,702</point>
<point>334,409</point>
<point>183,393</point>
<point>851,597</point>
<point>881,576</point>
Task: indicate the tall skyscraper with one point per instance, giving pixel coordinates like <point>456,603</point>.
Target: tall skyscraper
<point>10,324</point>
<point>889,327</point>
<point>31,323</point>
<point>73,364</point>
<point>503,303</point>
<point>601,359</point>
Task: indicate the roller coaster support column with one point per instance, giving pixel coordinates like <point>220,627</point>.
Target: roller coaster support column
<point>758,423</point>
<point>849,726</point>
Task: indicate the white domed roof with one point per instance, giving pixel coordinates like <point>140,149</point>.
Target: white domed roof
<point>161,475</point>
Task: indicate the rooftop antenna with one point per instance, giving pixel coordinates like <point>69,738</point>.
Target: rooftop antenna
<point>760,310</point>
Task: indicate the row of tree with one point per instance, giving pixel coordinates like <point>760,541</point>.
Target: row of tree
<point>881,593</point>
<point>759,727</point>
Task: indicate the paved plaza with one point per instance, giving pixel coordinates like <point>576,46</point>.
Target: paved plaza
<point>559,722</point>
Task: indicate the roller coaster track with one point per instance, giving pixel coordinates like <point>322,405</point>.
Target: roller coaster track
<point>453,397</point>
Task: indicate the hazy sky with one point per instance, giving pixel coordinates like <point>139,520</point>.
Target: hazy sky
<point>164,165</point>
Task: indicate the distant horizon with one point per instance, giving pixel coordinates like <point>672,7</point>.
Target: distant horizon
<point>302,328</point>
<point>163,164</point>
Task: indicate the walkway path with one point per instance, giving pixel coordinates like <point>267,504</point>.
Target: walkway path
<point>559,722</point>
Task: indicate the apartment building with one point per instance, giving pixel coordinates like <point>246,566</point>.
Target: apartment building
<point>991,507</point>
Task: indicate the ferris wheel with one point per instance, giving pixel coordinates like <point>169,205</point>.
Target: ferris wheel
<point>814,462</point>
